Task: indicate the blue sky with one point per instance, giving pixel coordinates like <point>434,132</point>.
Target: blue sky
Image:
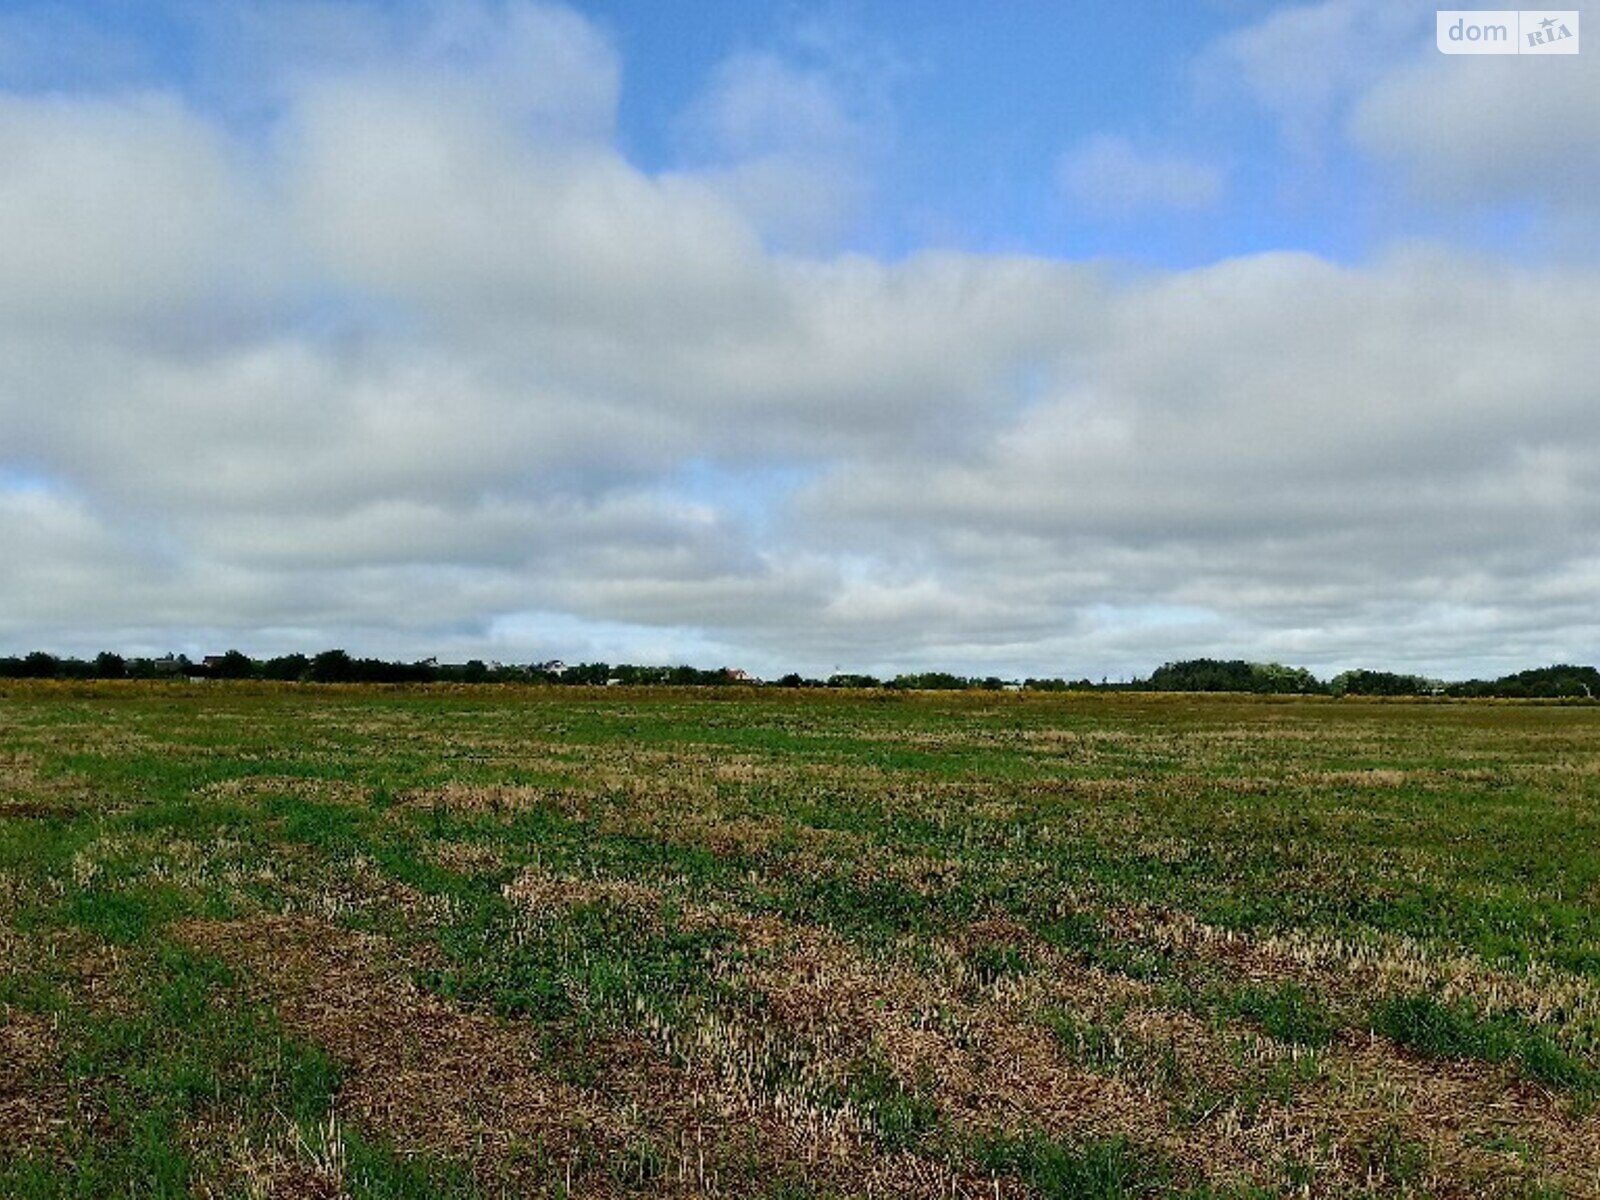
<point>964,114</point>
<point>1045,339</point>
<point>968,111</point>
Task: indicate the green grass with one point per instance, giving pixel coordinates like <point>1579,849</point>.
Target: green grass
<point>900,832</point>
<point>597,959</point>
<point>1458,1030</point>
<point>1288,1012</point>
<point>1105,1169</point>
<point>180,1050</point>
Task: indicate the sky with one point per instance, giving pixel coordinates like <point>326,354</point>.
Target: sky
<point>1035,339</point>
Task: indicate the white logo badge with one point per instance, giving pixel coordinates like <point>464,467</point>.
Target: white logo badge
<point>1506,31</point>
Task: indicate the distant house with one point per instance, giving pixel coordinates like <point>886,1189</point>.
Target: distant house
<point>213,662</point>
<point>735,675</point>
<point>168,664</point>
<point>554,667</point>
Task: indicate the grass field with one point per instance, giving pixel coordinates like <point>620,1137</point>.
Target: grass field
<point>301,941</point>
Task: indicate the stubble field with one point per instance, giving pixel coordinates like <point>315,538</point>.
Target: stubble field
<point>481,942</point>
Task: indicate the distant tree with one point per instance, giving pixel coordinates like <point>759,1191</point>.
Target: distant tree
<point>39,665</point>
<point>1561,680</point>
<point>110,666</point>
<point>290,667</point>
<point>234,665</point>
<point>931,681</point>
<point>1202,675</point>
<point>1232,675</point>
<point>1279,679</point>
<point>332,666</point>
<point>1377,683</point>
<point>852,680</point>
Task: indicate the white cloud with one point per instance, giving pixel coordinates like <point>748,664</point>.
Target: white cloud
<point>756,103</point>
<point>1284,444</point>
<point>788,146</point>
<point>1467,132</point>
<point>460,385</point>
<point>1305,63</point>
<point>434,196</point>
<point>119,208</point>
<point>1484,131</point>
<point>1110,175</point>
<point>556,71</point>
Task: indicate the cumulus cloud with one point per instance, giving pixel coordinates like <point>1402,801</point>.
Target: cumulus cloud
<point>555,70</point>
<point>1305,64</point>
<point>756,103</point>
<point>1293,444</point>
<point>434,196</point>
<point>1475,132</point>
<point>1109,175</point>
<point>433,367</point>
<point>1485,131</point>
<point>115,208</point>
<point>788,145</point>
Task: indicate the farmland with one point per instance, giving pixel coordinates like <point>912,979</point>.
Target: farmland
<point>302,941</point>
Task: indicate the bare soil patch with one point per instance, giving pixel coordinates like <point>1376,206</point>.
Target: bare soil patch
<point>33,1101</point>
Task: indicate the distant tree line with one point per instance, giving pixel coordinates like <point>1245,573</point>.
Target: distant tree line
<point>1190,675</point>
<point>1235,675</point>
<point>1211,675</point>
<point>338,666</point>
<point>1559,680</point>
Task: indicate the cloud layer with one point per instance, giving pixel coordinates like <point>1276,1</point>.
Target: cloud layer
<point>424,364</point>
<point>1109,175</point>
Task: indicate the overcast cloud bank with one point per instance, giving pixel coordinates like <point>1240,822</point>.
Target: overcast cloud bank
<point>425,364</point>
